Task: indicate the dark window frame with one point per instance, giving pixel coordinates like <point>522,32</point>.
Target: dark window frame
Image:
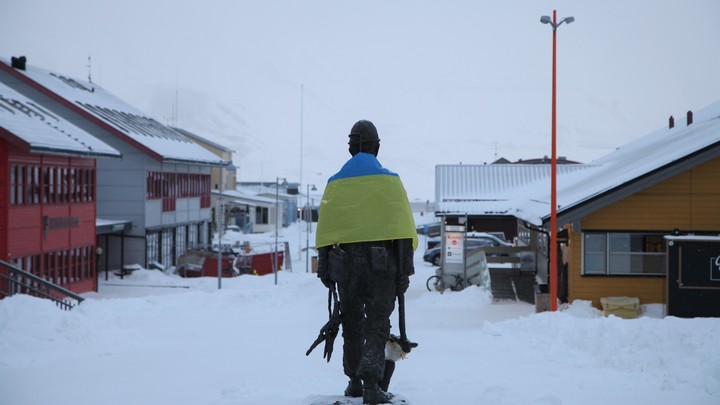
<point>622,253</point>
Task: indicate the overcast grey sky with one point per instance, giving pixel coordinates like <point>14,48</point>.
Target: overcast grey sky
<point>445,82</point>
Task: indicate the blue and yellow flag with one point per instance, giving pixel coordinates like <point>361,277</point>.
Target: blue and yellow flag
<point>364,202</point>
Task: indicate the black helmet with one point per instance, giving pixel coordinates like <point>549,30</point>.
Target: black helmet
<point>364,138</point>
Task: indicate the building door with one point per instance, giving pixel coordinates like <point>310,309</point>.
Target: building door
<point>693,282</point>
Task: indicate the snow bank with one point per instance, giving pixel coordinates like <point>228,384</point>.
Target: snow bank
<point>147,339</point>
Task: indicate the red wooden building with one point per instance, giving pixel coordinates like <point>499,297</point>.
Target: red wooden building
<point>47,193</point>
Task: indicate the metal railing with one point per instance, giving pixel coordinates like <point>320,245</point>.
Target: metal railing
<point>19,281</point>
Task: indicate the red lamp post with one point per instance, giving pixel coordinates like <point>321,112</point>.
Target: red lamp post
<point>553,165</point>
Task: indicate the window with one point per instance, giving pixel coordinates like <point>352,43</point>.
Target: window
<point>261,215</point>
<point>87,266</point>
<point>13,185</point>
<point>52,173</point>
<point>204,236</point>
<point>167,244</point>
<point>65,185</point>
<point>76,179</point>
<point>86,186</point>
<point>192,236</point>
<point>623,253</point>
<point>62,267</point>
<point>20,185</point>
<point>34,185</point>
<point>49,260</point>
<point>58,185</point>
<point>169,186</point>
<point>180,240</point>
<point>91,185</point>
<point>45,184</point>
<point>28,185</point>
<point>39,184</point>
<point>152,247</point>
<point>72,265</point>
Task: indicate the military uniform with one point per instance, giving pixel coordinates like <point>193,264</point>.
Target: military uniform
<point>365,224</point>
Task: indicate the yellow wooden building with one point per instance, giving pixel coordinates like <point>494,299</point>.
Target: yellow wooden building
<point>629,236</point>
<point>618,214</point>
<point>615,214</point>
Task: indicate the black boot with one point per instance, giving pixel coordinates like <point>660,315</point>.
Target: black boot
<point>372,394</point>
<point>354,388</point>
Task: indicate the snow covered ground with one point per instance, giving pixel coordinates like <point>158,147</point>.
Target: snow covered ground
<point>154,338</point>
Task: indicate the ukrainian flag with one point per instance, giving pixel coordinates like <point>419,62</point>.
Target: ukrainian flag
<point>364,202</point>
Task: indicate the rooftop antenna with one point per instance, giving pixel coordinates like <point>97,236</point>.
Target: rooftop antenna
<point>176,108</point>
<point>173,110</point>
<point>495,150</point>
<point>89,66</point>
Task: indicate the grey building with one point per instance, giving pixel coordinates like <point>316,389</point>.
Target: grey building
<point>156,198</point>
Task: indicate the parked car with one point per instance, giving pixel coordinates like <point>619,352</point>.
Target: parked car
<point>432,242</point>
<point>232,228</point>
<point>498,237</point>
<point>473,240</point>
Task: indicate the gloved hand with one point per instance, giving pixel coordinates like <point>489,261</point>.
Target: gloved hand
<point>327,282</point>
<point>403,283</point>
<point>323,270</point>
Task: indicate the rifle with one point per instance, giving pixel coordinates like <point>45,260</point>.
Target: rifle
<point>330,330</point>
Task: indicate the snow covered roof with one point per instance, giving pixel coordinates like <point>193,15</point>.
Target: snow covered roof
<point>105,226</point>
<point>130,124</point>
<point>240,196</point>
<point>43,132</point>
<point>651,154</point>
<point>266,190</point>
<point>197,137</point>
<point>647,158</point>
<point>488,189</point>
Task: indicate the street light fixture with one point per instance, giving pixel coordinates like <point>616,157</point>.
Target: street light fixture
<point>308,220</point>
<point>553,164</point>
<point>277,212</point>
<point>546,20</point>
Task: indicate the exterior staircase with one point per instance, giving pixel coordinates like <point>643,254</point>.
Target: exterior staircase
<point>14,280</point>
<point>512,284</point>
